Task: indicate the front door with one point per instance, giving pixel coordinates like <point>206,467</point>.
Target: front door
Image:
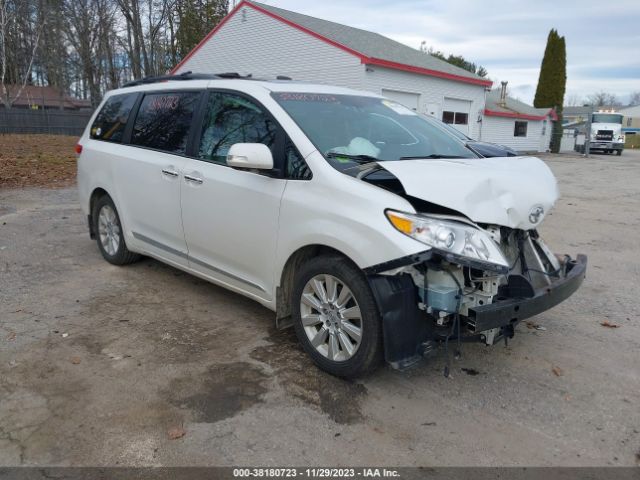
<point>230,216</point>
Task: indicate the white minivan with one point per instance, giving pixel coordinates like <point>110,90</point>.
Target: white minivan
<point>372,232</point>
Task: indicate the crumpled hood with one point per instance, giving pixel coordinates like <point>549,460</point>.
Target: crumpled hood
<point>514,192</point>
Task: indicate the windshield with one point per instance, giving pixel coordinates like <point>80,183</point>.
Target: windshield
<point>606,118</point>
<point>352,129</point>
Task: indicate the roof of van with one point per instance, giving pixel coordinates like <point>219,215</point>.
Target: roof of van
<point>243,84</point>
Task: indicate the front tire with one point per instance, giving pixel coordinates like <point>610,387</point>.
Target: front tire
<point>336,318</point>
<point>109,233</point>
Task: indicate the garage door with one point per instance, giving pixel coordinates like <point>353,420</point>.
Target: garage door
<point>410,100</point>
<point>456,112</point>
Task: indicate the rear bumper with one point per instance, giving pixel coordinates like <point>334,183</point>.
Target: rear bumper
<point>512,310</point>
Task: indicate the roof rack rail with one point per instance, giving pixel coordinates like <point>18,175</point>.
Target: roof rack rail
<point>188,76</point>
<point>249,76</point>
<point>198,76</point>
<point>163,78</point>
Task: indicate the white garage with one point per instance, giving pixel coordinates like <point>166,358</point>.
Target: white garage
<point>513,123</point>
<point>266,41</point>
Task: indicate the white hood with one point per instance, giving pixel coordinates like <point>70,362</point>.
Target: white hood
<point>514,192</point>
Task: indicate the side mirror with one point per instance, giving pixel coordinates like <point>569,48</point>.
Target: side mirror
<point>250,155</point>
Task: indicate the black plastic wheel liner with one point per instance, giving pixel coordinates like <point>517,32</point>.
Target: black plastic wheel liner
<point>405,327</point>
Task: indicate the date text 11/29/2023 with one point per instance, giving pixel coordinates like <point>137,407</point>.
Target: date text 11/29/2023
<point>364,472</point>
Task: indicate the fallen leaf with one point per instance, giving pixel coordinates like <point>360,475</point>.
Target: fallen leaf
<point>75,360</point>
<point>176,432</point>
<point>567,398</point>
<point>12,336</point>
<point>557,371</point>
<point>532,325</point>
<point>608,324</point>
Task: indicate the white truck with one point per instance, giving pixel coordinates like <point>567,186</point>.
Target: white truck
<point>606,132</point>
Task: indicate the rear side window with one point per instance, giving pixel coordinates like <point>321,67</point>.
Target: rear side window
<point>230,119</point>
<point>110,123</point>
<point>164,120</point>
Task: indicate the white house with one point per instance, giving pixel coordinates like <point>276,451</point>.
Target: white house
<point>631,120</point>
<point>267,41</point>
<point>510,122</point>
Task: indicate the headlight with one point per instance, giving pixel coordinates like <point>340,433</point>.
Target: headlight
<point>448,236</point>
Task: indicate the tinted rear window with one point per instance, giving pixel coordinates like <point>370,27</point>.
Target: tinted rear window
<point>110,123</point>
<point>164,120</point>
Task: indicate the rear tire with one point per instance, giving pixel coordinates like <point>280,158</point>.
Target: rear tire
<point>619,152</point>
<point>110,234</point>
<point>336,318</point>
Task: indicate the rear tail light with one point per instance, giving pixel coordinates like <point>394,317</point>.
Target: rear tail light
<point>78,148</point>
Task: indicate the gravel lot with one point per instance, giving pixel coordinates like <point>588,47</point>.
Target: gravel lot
<point>99,363</point>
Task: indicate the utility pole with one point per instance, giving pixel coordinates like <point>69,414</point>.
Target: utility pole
<point>587,138</point>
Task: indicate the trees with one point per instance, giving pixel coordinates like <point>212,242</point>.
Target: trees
<point>552,82</point>
<point>603,99</point>
<point>195,19</point>
<point>20,31</point>
<point>86,47</point>
<point>457,60</point>
<point>634,98</point>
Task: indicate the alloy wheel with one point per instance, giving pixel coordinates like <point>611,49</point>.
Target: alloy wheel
<point>331,317</point>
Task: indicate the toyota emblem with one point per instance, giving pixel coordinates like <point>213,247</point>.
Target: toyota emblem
<point>535,214</point>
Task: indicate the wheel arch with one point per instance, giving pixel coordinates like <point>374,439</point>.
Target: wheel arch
<point>291,266</point>
<point>97,193</point>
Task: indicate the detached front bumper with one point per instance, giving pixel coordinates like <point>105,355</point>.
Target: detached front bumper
<point>512,310</point>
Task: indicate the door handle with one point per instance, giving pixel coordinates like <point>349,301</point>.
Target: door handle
<point>190,178</point>
<point>171,173</point>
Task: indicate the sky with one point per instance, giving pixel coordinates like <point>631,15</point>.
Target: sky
<point>508,37</point>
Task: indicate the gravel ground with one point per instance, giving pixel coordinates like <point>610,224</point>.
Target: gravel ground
<point>101,365</point>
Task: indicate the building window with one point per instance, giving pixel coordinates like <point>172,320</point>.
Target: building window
<point>448,117</point>
<point>520,129</point>
<point>457,118</point>
<point>544,127</point>
<point>461,118</point>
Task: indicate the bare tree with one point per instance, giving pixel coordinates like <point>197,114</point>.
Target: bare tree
<point>90,46</point>
<point>9,18</point>
<point>574,100</point>
<point>603,99</point>
<point>634,98</point>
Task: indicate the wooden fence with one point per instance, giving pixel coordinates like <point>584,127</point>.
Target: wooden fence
<point>54,122</point>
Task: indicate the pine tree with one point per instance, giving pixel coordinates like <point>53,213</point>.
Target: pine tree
<point>196,18</point>
<point>552,82</point>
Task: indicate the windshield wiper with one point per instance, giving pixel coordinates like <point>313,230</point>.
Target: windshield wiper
<point>355,158</point>
<point>433,155</point>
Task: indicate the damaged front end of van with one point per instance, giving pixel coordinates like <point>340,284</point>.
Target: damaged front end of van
<point>484,267</point>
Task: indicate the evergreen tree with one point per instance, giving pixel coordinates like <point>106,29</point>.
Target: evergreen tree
<point>552,82</point>
<point>196,18</point>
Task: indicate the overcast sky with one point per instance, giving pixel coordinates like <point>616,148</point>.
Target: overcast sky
<point>508,37</point>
